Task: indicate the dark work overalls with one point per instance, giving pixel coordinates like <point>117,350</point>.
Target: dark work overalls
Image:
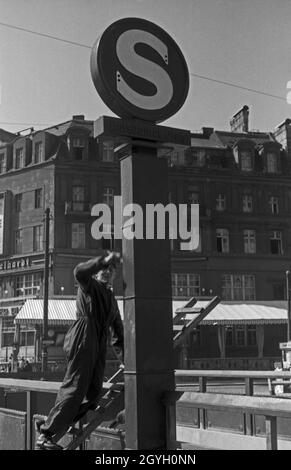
<point>85,345</point>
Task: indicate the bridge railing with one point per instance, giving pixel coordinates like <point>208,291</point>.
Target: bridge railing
<point>191,398</point>
<point>203,377</point>
<point>270,408</point>
<point>34,391</point>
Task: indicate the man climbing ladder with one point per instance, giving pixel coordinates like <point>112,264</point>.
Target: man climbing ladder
<point>85,347</point>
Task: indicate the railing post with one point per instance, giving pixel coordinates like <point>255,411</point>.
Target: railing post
<point>202,412</point>
<point>30,410</point>
<point>249,418</point>
<point>271,432</point>
<point>249,386</point>
<point>170,410</point>
<point>202,384</point>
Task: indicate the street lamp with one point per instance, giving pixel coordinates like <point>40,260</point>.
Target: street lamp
<point>62,290</point>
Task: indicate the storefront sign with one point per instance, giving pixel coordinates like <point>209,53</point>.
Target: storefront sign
<point>139,71</point>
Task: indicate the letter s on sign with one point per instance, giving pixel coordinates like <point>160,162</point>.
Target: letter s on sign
<point>144,68</point>
<point>139,71</point>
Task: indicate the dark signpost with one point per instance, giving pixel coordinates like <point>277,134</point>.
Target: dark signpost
<point>141,74</point>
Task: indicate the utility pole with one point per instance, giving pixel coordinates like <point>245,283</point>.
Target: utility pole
<point>45,293</point>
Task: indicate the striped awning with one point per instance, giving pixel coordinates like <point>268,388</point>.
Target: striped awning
<point>242,313</point>
<point>63,312</point>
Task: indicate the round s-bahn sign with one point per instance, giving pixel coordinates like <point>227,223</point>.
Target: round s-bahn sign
<point>139,71</point>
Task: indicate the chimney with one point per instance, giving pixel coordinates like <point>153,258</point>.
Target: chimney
<point>207,131</point>
<point>79,117</point>
<point>240,121</point>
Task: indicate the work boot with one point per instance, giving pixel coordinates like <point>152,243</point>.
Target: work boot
<point>45,442</point>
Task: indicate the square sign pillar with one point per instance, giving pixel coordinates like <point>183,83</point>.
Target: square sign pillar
<point>148,324</point>
<point>149,366</point>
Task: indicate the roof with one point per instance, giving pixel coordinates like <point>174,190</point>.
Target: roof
<point>242,313</point>
<point>63,312</point>
<point>62,128</point>
<point>228,139</point>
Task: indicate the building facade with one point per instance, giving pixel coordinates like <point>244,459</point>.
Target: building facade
<point>239,178</point>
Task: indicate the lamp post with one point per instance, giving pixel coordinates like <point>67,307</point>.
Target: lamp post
<point>45,294</point>
<point>288,306</point>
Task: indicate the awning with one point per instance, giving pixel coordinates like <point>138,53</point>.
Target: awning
<point>63,312</point>
<point>60,311</point>
<point>242,313</point>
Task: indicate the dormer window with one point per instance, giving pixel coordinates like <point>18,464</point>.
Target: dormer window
<point>272,162</point>
<point>246,160</point>
<point>2,163</point>
<point>19,158</point>
<point>78,146</point>
<point>38,152</point>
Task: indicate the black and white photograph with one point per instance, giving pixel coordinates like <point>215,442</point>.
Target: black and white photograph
<point>145,228</point>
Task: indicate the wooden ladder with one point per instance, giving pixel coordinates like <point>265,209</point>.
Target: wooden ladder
<point>182,327</point>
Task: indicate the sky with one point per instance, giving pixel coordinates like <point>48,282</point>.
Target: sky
<point>245,42</point>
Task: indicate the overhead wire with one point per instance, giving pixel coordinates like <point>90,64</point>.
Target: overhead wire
<point>75,43</point>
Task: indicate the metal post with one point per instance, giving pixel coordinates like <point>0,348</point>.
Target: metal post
<point>288,305</point>
<point>45,294</point>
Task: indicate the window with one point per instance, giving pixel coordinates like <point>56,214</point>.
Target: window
<point>246,161</point>
<point>8,329</point>
<point>78,147</point>
<point>78,196</point>
<point>185,284</point>
<point>276,243</point>
<point>251,336</point>
<point>249,241</point>
<point>238,287</point>
<point>222,240</point>
<point>38,238</point>
<point>29,284</point>
<point>38,152</point>
<point>220,202</point>
<point>19,158</point>
<point>247,203</point>
<point>18,202</point>
<point>108,152</point>
<point>108,196</point>
<point>241,335</point>
<point>177,159</point>
<point>272,163</point>
<point>18,241</point>
<point>27,338</point>
<point>229,335</point>
<point>78,235</point>
<point>38,198</point>
<point>197,157</point>
<point>274,204</point>
<point>2,163</point>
